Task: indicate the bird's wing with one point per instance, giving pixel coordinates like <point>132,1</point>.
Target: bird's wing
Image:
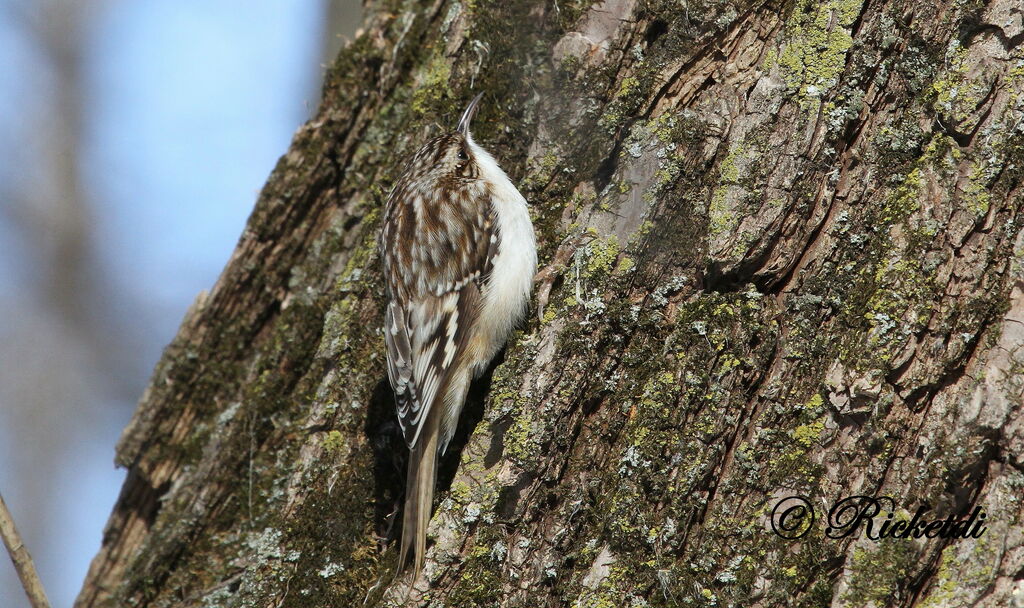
<point>429,316</point>
<point>425,339</point>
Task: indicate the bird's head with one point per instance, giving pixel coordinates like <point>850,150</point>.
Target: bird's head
<point>452,156</point>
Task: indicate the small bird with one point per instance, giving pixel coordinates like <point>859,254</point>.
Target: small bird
<point>459,255</point>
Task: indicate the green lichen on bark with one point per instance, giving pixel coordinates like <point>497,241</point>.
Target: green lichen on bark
<point>814,47</point>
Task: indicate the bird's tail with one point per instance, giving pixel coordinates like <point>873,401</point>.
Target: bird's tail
<point>419,496</point>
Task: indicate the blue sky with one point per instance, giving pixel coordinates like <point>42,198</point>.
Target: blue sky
<point>188,105</point>
<point>194,101</point>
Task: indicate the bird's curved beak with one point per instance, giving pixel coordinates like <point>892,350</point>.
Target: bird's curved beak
<point>467,115</point>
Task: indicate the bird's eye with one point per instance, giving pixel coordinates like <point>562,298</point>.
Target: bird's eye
<point>462,154</point>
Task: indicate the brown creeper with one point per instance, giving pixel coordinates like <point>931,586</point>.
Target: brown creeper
<point>459,258</point>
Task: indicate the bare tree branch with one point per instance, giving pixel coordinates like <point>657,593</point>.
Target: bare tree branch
<point>21,558</point>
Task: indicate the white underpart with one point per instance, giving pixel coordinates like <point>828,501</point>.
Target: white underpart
<point>508,292</point>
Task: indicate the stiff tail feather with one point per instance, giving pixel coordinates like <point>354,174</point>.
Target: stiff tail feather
<point>419,496</point>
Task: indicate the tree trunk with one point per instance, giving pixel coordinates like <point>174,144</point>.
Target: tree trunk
<point>781,255</point>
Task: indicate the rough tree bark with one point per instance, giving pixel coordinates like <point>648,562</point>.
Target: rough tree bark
<point>781,254</point>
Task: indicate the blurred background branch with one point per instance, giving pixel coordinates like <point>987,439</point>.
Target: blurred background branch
<point>22,559</point>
